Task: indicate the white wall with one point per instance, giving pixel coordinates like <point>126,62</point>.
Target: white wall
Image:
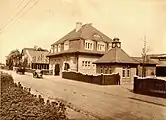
<point>88,70</point>
<point>132,73</point>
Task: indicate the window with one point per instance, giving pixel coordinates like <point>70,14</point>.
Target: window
<point>34,58</point>
<point>101,69</point>
<point>66,45</point>
<point>128,72</point>
<point>106,70</point>
<point>59,47</point>
<point>96,35</point>
<point>110,70</point>
<point>93,65</point>
<point>52,49</point>
<point>100,46</point>
<point>88,44</point>
<point>85,63</point>
<point>55,48</point>
<point>109,46</point>
<point>88,63</point>
<point>123,72</point>
<point>82,63</point>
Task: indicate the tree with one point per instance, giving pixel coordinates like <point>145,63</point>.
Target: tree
<point>13,59</point>
<point>25,62</point>
<point>145,50</point>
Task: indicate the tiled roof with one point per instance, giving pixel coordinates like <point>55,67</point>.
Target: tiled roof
<point>38,56</point>
<point>87,31</point>
<point>116,55</point>
<point>34,49</point>
<point>148,61</point>
<point>157,55</point>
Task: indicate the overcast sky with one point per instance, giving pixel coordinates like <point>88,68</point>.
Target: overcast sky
<point>50,20</point>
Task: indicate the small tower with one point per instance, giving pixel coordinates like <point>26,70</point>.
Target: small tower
<point>116,43</point>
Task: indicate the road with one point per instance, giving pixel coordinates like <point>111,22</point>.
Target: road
<point>101,102</point>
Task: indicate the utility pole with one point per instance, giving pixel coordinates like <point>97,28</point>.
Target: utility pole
<point>144,50</point>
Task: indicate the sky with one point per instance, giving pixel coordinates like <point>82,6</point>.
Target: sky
<point>49,20</point>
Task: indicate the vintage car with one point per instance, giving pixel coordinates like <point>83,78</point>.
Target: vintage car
<point>38,74</point>
<point>20,70</point>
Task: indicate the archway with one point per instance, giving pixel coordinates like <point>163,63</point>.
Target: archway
<point>57,69</point>
<point>67,66</point>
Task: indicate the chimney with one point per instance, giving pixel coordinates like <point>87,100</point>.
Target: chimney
<point>78,26</point>
<point>35,47</point>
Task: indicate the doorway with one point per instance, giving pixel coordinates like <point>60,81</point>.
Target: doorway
<point>57,69</point>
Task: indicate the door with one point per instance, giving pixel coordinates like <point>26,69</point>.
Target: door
<point>57,69</point>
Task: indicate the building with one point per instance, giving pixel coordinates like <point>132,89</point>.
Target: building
<point>117,61</point>
<point>78,50</point>
<point>149,67</point>
<point>160,59</point>
<point>36,58</point>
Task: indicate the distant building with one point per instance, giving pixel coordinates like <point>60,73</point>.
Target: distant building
<point>36,58</point>
<point>117,61</point>
<point>78,50</point>
<point>149,67</point>
<point>160,59</point>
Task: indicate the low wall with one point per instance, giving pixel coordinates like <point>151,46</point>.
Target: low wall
<point>101,79</point>
<point>150,86</point>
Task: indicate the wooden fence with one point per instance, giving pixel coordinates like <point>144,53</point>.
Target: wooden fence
<point>98,79</point>
<point>150,86</point>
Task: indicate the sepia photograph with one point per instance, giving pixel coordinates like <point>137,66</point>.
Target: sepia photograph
<point>83,60</point>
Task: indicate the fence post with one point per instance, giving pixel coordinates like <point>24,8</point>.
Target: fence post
<point>135,84</point>
<point>102,79</point>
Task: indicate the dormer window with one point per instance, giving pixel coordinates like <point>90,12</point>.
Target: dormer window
<point>55,48</point>
<point>88,45</point>
<point>100,46</point>
<point>96,35</point>
<point>109,46</point>
<point>52,49</point>
<point>66,45</point>
<point>59,48</point>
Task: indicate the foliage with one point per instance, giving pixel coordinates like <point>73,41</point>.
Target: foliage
<point>6,80</point>
<point>25,62</point>
<point>13,59</point>
<point>18,104</point>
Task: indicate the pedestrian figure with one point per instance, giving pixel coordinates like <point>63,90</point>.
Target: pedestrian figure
<point>118,79</point>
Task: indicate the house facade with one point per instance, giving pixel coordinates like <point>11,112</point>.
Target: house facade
<point>78,50</point>
<point>160,59</point>
<point>145,68</point>
<point>117,61</point>
<point>36,58</point>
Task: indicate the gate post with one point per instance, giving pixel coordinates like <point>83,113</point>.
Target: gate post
<point>135,84</point>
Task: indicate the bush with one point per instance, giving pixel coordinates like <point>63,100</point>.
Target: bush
<point>6,80</point>
<point>17,103</point>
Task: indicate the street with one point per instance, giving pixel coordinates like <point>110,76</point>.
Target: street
<point>100,102</point>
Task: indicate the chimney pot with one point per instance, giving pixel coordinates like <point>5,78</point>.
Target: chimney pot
<point>78,26</point>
